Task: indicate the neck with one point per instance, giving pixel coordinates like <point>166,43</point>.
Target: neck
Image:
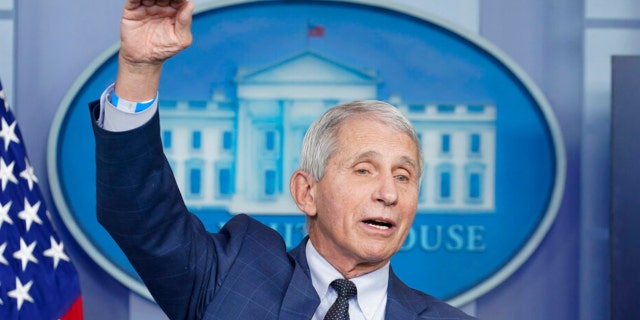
<point>349,266</point>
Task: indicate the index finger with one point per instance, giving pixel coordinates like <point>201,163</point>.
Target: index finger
<point>177,3</point>
<point>132,4</point>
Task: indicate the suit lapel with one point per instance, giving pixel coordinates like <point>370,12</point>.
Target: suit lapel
<point>397,311</point>
<point>402,303</point>
<point>301,299</point>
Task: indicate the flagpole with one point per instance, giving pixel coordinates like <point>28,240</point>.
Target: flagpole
<point>306,35</point>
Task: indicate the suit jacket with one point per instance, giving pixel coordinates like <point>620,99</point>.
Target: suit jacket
<point>242,272</point>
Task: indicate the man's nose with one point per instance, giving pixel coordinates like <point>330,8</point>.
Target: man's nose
<point>387,190</point>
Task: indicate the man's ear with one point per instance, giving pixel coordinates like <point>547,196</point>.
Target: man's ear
<point>302,187</point>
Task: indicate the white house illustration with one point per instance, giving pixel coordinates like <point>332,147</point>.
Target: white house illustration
<point>237,153</point>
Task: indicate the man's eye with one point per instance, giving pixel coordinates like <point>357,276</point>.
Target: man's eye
<point>362,171</point>
<point>402,178</point>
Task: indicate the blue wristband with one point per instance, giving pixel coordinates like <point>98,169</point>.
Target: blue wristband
<point>129,106</point>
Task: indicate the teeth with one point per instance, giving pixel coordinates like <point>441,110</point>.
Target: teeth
<point>379,224</point>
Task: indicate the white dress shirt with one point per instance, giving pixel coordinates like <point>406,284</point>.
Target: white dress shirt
<point>116,120</point>
<point>370,302</point>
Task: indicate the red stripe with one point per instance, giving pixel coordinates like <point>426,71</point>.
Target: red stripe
<point>75,312</point>
<point>315,31</point>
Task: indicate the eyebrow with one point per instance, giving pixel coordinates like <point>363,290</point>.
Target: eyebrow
<point>374,154</point>
<point>410,162</point>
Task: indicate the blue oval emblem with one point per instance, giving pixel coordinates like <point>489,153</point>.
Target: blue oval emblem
<point>236,104</point>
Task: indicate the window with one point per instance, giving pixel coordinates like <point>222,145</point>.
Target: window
<point>474,143</point>
<point>197,104</point>
<point>270,182</point>
<point>226,106</point>
<point>196,140</point>
<point>474,179</point>
<point>475,108</point>
<point>444,184</point>
<point>195,176</point>
<point>417,108</point>
<point>474,185</point>
<point>330,102</point>
<point>166,139</point>
<point>227,140</point>
<point>168,104</point>
<point>445,143</point>
<point>446,108</point>
<point>225,182</point>
<point>270,140</point>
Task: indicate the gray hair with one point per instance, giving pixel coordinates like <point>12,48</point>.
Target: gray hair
<point>320,141</point>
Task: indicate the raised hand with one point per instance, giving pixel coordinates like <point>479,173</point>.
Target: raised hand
<point>151,31</point>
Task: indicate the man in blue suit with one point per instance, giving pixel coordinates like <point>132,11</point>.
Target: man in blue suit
<point>358,186</point>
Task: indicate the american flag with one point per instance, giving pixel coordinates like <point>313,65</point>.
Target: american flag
<point>315,30</point>
<point>37,279</point>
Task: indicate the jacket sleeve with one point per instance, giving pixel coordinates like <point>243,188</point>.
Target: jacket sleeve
<point>140,205</point>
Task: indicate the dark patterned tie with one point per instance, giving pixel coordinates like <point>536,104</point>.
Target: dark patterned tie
<point>340,308</point>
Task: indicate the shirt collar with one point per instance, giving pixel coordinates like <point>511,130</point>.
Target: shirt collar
<point>372,287</point>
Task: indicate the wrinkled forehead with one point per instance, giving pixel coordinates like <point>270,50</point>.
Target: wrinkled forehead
<point>346,133</point>
<point>363,120</point>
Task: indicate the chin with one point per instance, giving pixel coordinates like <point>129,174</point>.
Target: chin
<point>377,256</point>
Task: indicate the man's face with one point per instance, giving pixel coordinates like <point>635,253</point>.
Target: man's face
<point>367,199</point>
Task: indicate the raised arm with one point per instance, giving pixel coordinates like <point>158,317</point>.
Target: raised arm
<point>151,31</point>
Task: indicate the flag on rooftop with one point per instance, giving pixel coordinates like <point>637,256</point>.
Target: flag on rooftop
<point>315,30</point>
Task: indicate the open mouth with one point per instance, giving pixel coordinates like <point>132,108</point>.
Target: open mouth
<point>379,224</point>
